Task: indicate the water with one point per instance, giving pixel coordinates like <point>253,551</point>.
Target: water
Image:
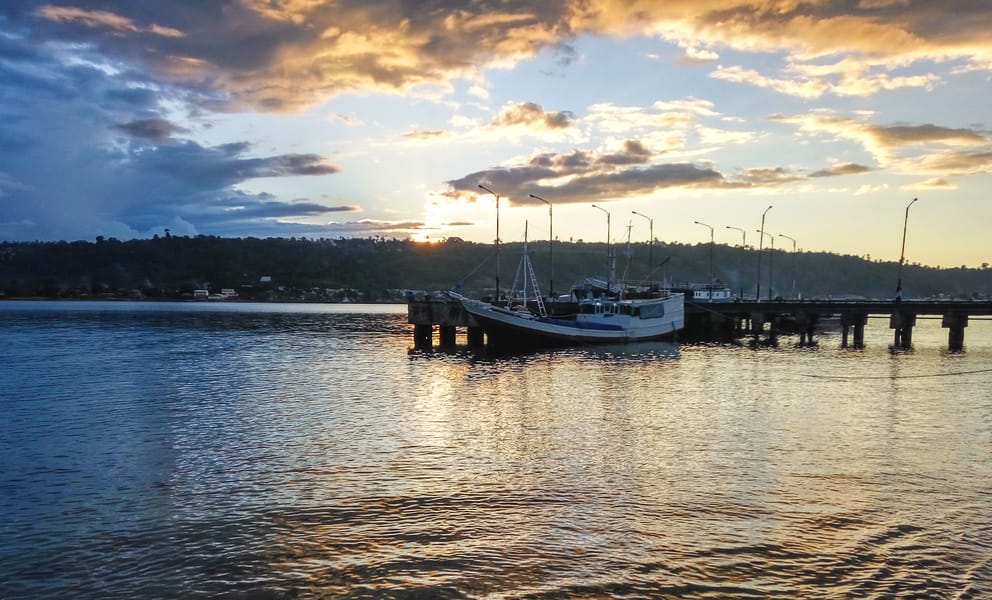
<point>297,451</point>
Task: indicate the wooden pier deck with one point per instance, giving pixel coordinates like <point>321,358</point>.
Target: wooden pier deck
<point>763,322</point>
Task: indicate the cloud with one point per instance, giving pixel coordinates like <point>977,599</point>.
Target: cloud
<point>802,88</point>
<point>585,176</point>
<point>841,169</point>
<point>925,148</point>
<point>155,129</point>
<point>633,152</point>
<point>99,182</point>
<point>102,19</point>
<point>694,55</point>
<point>867,189</point>
<point>951,163</point>
<point>427,135</point>
<point>371,226</point>
<point>766,176</point>
<point>900,135</point>
<point>936,183</point>
<point>284,55</point>
<point>104,99</point>
<point>514,121</point>
<point>530,114</point>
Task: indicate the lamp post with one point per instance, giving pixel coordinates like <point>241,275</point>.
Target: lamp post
<point>709,286</point>
<point>609,274</point>
<point>902,253</point>
<point>740,262</point>
<point>771,258</point>
<point>497,236</point>
<point>551,247</point>
<point>650,248</point>
<point>782,235</point>
<point>761,239</point>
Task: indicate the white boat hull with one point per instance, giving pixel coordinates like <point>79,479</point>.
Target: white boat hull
<point>509,328</point>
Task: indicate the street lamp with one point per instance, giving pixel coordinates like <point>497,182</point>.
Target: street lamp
<point>709,287</point>
<point>608,258</point>
<point>497,236</point>
<point>771,258</point>
<point>551,238</point>
<point>761,239</point>
<point>740,262</point>
<point>650,249</point>
<point>902,253</point>
<point>793,262</point>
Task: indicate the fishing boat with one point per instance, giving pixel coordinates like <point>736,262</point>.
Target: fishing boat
<point>604,318</point>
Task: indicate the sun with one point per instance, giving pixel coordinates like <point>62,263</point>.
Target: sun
<point>442,213</point>
<point>422,237</point>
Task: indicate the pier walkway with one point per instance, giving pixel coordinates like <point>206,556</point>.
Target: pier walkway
<point>763,321</point>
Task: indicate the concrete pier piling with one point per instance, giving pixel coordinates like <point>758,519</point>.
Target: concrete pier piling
<point>423,336</point>
<point>902,324</point>
<point>856,320</point>
<point>806,322</point>
<point>955,323</point>
<point>449,316</point>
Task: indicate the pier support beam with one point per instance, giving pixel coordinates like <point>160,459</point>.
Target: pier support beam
<point>955,324</point>
<point>742,324</point>
<point>476,338</point>
<point>758,320</point>
<point>857,320</point>
<point>423,336</point>
<point>902,324</point>
<point>446,336</point>
<point>757,323</point>
<point>773,330</point>
<point>807,322</point>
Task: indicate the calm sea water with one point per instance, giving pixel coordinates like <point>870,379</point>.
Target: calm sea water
<point>298,451</point>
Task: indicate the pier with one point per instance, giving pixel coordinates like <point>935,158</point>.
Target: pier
<point>759,322</point>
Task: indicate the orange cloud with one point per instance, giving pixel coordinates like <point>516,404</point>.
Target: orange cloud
<point>532,115</point>
<point>285,54</point>
<point>914,149</point>
<point>102,19</point>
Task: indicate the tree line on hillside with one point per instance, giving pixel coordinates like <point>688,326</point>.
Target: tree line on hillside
<point>379,269</point>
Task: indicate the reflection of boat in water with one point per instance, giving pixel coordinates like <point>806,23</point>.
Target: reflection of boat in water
<point>603,319</point>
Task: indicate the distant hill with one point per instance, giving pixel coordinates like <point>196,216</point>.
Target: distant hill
<point>378,269</point>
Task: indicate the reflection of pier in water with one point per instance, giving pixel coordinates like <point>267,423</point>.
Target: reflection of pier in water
<point>763,322</point>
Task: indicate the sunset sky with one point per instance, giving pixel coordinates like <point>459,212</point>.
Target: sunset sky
<point>324,118</point>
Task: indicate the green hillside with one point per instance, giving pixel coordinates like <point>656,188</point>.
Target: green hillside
<point>378,269</point>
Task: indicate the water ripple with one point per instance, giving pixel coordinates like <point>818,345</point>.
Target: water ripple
<point>274,452</point>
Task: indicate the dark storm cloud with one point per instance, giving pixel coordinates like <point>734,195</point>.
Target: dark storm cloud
<point>263,207</point>
<point>194,167</point>
<point>85,148</point>
<point>93,186</point>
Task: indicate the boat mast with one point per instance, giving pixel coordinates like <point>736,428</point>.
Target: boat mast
<point>526,262</point>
